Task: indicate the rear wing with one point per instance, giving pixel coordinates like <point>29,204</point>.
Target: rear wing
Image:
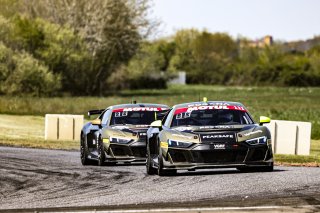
<point>95,112</point>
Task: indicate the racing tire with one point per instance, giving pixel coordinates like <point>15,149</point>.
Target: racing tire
<point>150,169</point>
<point>101,153</point>
<point>160,170</point>
<point>83,152</point>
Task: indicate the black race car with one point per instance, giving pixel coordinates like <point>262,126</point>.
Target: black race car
<point>205,135</point>
<point>119,133</point>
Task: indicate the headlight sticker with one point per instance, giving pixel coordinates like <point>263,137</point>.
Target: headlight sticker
<point>256,141</point>
<point>173,143</point>
<point>120,140</point>
<point>252,133</point>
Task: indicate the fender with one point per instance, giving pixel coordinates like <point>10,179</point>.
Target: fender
<point>152,139</point>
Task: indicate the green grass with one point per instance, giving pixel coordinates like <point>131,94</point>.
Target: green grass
<point>28,131</point>
<point>40,143</point>
<point>299,104</point>
<point>313,158</point>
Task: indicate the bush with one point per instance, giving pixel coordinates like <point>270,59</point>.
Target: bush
<point>23,74</point>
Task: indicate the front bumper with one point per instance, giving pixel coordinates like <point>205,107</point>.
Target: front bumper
<point>203,156</point>
<point>132,152</point>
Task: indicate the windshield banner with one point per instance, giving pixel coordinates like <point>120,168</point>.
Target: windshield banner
<point>190,109</point>
<point>140,109</point>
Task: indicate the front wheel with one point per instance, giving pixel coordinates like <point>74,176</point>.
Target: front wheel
<point>150,169</point>
<point>160,170</point>
<point>83,152</point>
<point>101,153</point>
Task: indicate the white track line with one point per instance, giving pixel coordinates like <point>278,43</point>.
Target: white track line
<point>204,209</point>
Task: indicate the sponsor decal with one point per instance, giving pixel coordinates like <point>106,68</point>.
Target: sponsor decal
<point>141,125</point>
<point>164,145</point>
<point>140,109</point>
<point>219,146</point>
<point>252,133</point>
<point>183,136</point>
<point>217,136</point>
<point>106,140</point>
<point>214,107</point>
<point>210,104</point>
<point>183,128</point>
<point>215,127</point>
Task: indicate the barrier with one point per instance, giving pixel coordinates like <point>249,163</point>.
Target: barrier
<point>63,127</point>
<point>290,137</point>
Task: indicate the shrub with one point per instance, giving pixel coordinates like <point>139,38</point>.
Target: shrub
<point>20,73</point>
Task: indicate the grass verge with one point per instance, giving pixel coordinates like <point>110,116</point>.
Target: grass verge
<point>279,103</point>
<point>40,143</point>
<point>302,160</point>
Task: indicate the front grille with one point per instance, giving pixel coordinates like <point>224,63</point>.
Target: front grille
<point>257,154</point>
<point>142,139</point>
<point>179,156</point>
<point>119,151</point>
<point>226,156</point>
<point>221,156</point>
<point>130,151</point>
<point>139,151</point>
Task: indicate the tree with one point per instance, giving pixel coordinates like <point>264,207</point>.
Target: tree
<point>20,73</point>
<point>111,29</point>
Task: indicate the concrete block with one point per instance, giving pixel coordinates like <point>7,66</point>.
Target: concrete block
<point>51,127</point>
<point>285,137</point>
<point>78,124</point>
<point>303,138</point>
<point>290,137</point>
<point>65,127</point>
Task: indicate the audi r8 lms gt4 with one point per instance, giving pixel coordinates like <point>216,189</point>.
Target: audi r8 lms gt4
<point>204,135</point>
<point>119,133</point>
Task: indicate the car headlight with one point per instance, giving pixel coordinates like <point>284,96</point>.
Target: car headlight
<point>256,141</point>
<point>120,140</point>
<point>173,143</point>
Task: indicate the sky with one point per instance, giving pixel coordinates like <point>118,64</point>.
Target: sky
<point>285,20</point>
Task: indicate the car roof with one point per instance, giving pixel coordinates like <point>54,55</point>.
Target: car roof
<point>138,105</point>
<point>202,103</point>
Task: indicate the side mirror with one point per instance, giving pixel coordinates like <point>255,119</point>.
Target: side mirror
<point>156,123</point>
<point>264,120</point>
<point>96,122</point>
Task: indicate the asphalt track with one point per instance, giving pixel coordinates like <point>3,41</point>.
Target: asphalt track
<point>50,179</point>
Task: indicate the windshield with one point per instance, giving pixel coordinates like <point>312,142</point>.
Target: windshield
<point>135,118</point>
<point>210,117</point>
